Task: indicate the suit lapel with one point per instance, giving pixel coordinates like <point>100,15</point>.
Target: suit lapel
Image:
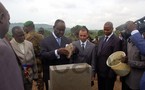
<point>108,42</point>
<point>54,42</point>
<point>100,45</point>
<point>87,48</point>
<point>79,45</point>
<point>63,44</point>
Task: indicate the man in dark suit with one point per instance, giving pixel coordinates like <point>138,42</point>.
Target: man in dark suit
<point>53,50</point>
<point>10,72</point>
<point>107,45</point>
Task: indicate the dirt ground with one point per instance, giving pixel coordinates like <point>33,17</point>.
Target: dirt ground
<point>117,85</point>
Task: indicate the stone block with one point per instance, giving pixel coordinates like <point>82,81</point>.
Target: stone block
<point>70,77</point>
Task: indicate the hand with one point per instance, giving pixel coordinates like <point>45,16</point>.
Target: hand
<point>62,51</point>
<point>92,78</point>
<point>75,50</point>
<point>124,59</point>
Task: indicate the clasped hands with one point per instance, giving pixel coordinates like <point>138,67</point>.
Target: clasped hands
<point>63,51</point>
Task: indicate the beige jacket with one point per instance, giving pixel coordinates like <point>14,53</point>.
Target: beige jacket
<point>28,57</point>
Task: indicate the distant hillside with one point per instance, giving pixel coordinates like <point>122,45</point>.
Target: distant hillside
<point>45,26</point>
<point>37,26</point>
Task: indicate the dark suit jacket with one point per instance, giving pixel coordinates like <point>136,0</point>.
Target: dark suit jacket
<point>10,73</point>
<point>48,47</point>
<point>104,51</point>
<point>137,63</point>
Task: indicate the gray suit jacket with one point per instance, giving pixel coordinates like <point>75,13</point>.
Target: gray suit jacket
<point>83,56</point>
<point>137,64</point>
<point>10,74</point>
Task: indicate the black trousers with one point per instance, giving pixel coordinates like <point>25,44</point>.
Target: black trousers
<point>105,83</point>
<point>126,87</point>
<point>46,85</point>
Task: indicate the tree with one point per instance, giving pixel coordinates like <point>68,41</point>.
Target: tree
<point>100,32</point>
<point>46,33</point>
<point>75,30</point>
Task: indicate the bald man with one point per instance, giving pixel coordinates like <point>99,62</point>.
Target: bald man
<point>25,52</point>
<point>107,45</point>
<point>10,73</point>
<point>139,42</point>
<point>136,60</point>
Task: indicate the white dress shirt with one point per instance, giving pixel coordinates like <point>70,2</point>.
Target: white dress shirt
<point>56,52</point>
<point>21,46</point>
<point>83,43</point>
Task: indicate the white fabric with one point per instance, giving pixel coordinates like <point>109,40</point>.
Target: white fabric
<point>21,46</point>
<point>134,32</point>
<point>83,43</point>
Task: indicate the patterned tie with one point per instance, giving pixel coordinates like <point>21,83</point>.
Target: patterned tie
<point>83,46</point>
<point>59,41</point>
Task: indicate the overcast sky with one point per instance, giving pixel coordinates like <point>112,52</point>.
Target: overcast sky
<point>92,13</point>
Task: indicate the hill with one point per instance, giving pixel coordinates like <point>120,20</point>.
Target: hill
<point>37,26</point>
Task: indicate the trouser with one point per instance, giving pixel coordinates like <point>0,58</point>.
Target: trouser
<point>27,85</point>
<point>124,85</point>
<point>46,85</point>
<point>105,83</point>
<point>40,83</point>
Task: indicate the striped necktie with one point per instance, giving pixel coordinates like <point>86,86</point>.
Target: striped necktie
<point>83,46</point>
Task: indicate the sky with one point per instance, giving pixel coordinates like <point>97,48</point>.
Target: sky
<point>91,13</point>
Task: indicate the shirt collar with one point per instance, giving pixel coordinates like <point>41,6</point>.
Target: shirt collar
<point>83,42</point>
<point>109,36</point>
<point>17,42</point>
<point>55,35</point>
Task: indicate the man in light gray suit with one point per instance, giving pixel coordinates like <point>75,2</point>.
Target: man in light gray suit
<point>85,51</point>
<point>10,73</point>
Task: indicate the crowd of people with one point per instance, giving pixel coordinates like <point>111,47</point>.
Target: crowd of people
<point>27,57</point>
